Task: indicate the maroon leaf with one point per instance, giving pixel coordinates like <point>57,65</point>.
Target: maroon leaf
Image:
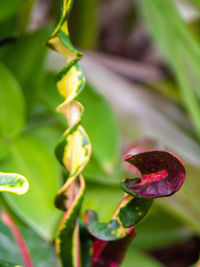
<point>141,146</point>
<point>162,174</point>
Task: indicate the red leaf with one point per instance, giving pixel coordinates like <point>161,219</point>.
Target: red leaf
<point>162,174</point>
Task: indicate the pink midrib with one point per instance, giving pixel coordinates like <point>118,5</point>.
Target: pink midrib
<point>152,177</point>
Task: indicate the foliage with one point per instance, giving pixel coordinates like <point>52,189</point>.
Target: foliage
<point>86,183</point>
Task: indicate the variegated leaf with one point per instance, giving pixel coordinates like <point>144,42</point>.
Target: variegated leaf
<point>128,213</point>
<point>13,183</point>
<point>74,149</point>
<point>67,241</point>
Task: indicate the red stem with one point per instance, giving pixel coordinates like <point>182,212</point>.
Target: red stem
<point>19,239</point>
<point>110,253</point>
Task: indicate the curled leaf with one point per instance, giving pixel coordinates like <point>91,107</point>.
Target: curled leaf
<point>74,150</point>
<point>162,174</point>
<point>70,80</point>
<point>67,240</point>
<point>141,146</point>
<point>128,213</point>
<point>13,183</point>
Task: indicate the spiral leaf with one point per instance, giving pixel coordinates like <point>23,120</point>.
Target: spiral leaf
<point>74,149</point>
<point>67,241</point>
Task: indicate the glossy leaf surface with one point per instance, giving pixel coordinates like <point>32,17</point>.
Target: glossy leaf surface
<point>162,174</point>
<point>128,213</point>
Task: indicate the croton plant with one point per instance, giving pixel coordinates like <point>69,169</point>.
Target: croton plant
<point>93,243</point>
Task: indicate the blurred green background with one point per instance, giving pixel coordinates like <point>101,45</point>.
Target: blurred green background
<point>142,63</point>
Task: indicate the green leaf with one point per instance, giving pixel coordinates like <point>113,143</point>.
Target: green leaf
<point>51,98</point>
<point>198,1</point>
<point>12,106</point>
<point>86,32</point>
<point>101,126</point>
<point>13,183</point>
<point>67,240</point>
<point>8,8</point>
<point>138,258</point>
<point>181,50</point>
<point>6,264</point>
<point>31,157</point>
<point>107,194</point>
<point>48,135</point>
<point>25,58</point>
<point>42,253</point>
<point>94,173</point>
<point>127,214</point>
<point>4,151</point>
<point>158,230</point>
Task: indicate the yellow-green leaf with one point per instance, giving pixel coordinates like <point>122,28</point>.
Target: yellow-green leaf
<point>13,183</point>
<point>74,150</point>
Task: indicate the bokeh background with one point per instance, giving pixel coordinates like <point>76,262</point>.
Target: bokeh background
<point>142,63</point>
